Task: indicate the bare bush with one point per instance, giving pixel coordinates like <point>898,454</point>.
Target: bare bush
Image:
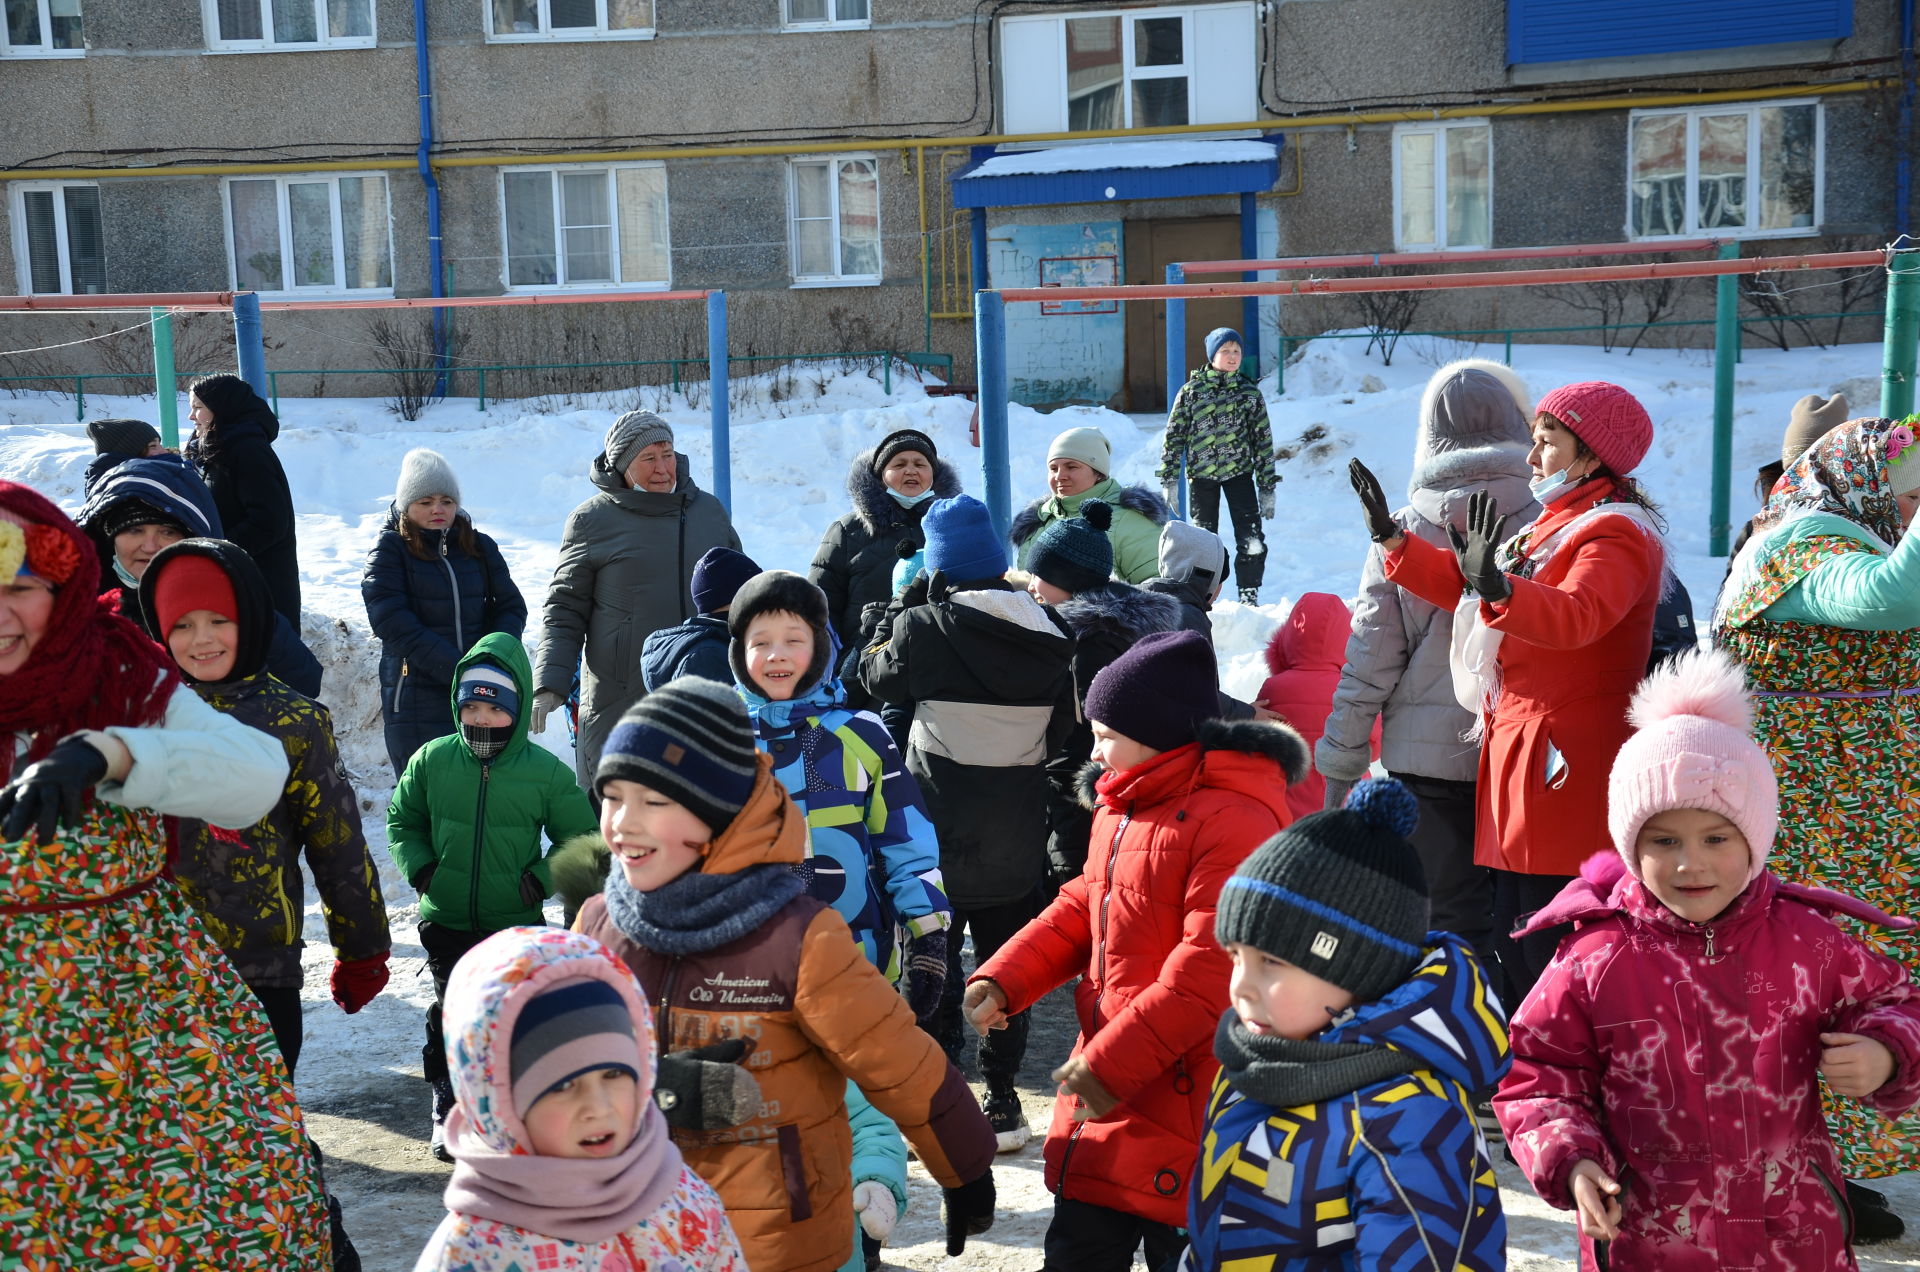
<point>1776,310</point>
<point>404,344</point>
<point>1387,317</point>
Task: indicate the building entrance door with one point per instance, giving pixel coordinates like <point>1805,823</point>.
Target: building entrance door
<point>1151,247</point>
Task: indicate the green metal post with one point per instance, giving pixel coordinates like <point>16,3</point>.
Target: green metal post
<point>483,388</point>
<point>1280,369</point>
<point>79,399</point>
<point>166,389</point>
<point>273,390</point>
<point>1507,355</point>
<point>886,373</point>
<point>1902,336</point>
<point>1726,352</point>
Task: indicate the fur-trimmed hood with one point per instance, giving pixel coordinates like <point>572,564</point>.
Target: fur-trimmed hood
<point>878,512</point>
<point>1133,498</point>
<point>1120,609</point>
<point>1270,738</point>
<point>1475,422</point>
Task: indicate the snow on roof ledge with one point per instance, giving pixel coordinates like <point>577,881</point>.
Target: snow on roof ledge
<point>1172,153</point>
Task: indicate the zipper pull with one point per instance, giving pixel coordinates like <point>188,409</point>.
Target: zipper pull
<point>1710,940</point>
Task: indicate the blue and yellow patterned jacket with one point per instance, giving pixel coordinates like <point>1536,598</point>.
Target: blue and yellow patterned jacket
<point>875,858</point>
<point>1394,1177</point>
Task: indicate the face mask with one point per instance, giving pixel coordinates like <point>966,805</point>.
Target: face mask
<point>1551,485</point>
<point>910,501</point>
<point>485,742</point>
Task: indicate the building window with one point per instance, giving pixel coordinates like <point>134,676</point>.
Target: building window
<point>586,227</point>
<point>569,19</point>
<point>1136,68</point>
<point>251,26</point>
<point>42,28</point>
<point>822,15</point>
<point>834,208</point>
<point>57,239</point>
<point>1443,186</point>
<point>1752,169</point>
<point>291,234</point>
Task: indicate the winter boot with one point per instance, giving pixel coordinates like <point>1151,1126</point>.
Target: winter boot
<point>1873,1220</point>
<point>1006,1117</point>
<point>345,1257</point>
<point>442,1105</point>
<point>1249,596</point>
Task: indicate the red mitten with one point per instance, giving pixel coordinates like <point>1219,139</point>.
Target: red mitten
<point>356,981</point>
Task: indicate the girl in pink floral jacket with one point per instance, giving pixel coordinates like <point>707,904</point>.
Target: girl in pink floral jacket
<point>1665,1071</point>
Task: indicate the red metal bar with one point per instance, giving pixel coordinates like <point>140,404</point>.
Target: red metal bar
<point>464,302</point>
<point>1374,260</point>
<point>134,300</point>
<point>1444,282</point>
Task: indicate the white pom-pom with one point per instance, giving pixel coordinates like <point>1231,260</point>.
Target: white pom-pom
<point>1701,682</point>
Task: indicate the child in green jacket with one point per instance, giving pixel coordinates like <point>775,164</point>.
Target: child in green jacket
<point>465,826</point>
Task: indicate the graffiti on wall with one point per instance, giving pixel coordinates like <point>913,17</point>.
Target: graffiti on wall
<point>1067,351</point>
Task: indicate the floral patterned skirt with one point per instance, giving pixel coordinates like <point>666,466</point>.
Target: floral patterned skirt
<point>146,1120</point>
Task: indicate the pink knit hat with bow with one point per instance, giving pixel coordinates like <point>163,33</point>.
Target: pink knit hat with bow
<point>1694,749</point>
<point>1610,420</point>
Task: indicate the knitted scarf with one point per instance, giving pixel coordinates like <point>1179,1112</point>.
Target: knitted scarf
<point>699,912</point>
<point>90,668</point>
<point>1288,1072</point>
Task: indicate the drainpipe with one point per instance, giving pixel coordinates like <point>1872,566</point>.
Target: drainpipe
<point>436,279</point>
<point>1903,172</point>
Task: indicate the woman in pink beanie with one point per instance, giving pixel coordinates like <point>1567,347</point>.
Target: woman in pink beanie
<point>1665,1068</point>
<point>1550,638</point>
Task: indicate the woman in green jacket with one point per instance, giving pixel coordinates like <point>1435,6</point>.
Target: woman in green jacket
<point>1219,422</point>
<point>1078,464</point>
<point>465,826</point>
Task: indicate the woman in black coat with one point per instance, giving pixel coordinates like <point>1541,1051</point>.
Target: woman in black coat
<point>433,587</point>
<point>232,447</point>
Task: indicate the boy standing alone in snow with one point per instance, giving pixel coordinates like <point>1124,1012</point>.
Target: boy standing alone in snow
<point>1219,421</point>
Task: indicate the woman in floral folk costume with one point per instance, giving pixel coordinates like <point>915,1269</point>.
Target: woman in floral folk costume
<point>145,1118</point>
<point>1823,609</point>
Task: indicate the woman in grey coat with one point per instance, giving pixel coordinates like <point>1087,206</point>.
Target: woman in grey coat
<point>1474,421</point>
<point>626,569</point>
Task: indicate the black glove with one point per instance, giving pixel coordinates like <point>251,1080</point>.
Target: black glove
<point>423,877</point>
<point>50,792</point>
<point>532,891</point>
<point>1485,533</point>
<point>707,1088</point>
<point>915,593</point>
<point>969,1211</point>
<point>1380,522</point>
<point>925,958</point>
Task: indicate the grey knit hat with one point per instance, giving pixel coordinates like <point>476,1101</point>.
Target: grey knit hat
<point>633,433</point>
<point>1339,893</point>
<point>691,741</point>
<point>422,473</point>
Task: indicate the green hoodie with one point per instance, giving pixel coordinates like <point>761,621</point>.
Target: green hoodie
<point>479,824</point>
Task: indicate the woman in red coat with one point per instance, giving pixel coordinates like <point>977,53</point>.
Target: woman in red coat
<point>1552,637</point>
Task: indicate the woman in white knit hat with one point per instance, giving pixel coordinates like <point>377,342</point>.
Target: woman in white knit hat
<point>1079,468</point>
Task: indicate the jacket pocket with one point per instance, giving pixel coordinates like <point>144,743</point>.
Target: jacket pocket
<point>793,1169</point>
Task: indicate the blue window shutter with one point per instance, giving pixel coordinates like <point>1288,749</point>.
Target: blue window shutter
<point>1573,30</point>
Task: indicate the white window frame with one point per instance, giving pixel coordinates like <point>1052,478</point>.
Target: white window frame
<point>210,15</point>
<point>281,182</point>
<point>548,35</point>
<point>1439,129</point>
<point>17,209</point>
<point>835,23</point>
<point>836,279</point>
<point>560,255</point>
<point>45,47</point>
<point>1693,115</point>
<point>1128,71</point>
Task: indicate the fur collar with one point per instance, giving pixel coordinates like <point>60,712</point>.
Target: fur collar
<point>1277,741</point>
<point>1133,498</point>
<point>876,510</point>
<point>1122,610</point>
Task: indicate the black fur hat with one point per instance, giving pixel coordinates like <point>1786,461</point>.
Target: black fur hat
<point>779,591</point>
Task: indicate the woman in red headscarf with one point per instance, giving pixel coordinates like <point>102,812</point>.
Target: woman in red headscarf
<point>145,1117</point>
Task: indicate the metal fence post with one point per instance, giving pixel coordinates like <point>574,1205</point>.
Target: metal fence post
<point>79,399</point>
<point>483,388</point>
<point>990,369</point>
<point>1176,338</point>
<point>250,342</point>
<point>1898,349</point>
<point>166,390</point>
<point>1726,352</point>
<point>717,373</point>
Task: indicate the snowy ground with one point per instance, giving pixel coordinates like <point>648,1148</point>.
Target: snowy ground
<point>523,466</point>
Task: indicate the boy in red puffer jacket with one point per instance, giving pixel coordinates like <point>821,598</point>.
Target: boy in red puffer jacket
<point>1179,800</point>
<point>1305,656</point>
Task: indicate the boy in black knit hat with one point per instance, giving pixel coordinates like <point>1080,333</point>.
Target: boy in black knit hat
<point>1341,1126</point>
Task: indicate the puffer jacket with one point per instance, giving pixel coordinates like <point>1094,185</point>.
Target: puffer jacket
<point>986,672</point>
<point>1298,1190</point>
<point>246,884</point>
<point>479,824</point>
<point>855,560</point>
<point>697,647</point>
<point>817,1014</point>
<point>876,859</point>
<point>1303,657</point>
<point>626,567</point>
<point>688,1229</point>
<point>1138,514</point>
<point>1682,1057</point>
<point>427,613</point>
<point>1137,928</point>
<point>1473,436</point>
<point>237,461</point>
<point>1220,421</point>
